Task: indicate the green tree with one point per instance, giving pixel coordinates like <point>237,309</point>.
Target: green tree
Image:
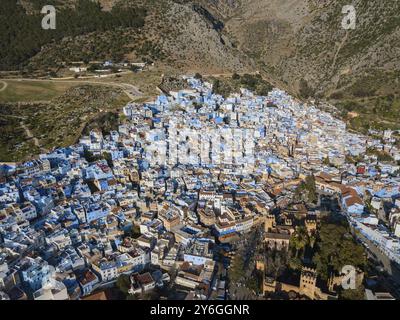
<point>237,268</point>
<point>132,297</point>
<point>235,76</point>
<point>255,281</point>
<point>197,106</point>
<point>123,283</point>
<point>299,240</point>
<point>89,156</point>
<point>134,68</point>
<point>305,90</point>
<point>353,294</point>
<point>21,38</point>
<point>336,248</point>
<point>276,262</point>
<point>307,190</point>
<point>311,240</point>
<point>326,161</point>
<point>107,156</point>
<point>134,232</point>
<point>295,263</point>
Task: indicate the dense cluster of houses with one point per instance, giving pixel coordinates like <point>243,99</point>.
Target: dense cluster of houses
<point>183,175</point>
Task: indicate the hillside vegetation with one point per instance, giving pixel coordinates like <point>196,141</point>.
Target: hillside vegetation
<point>28,37</point>
<point>32,91</point>
<point>299,44</point>
<point>28,128</point>
<point>178,34</point>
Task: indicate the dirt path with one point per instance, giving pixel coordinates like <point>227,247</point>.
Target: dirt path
<point>5,85</point>
<point>94,77</point>
<point>229,74</point>
<point>30,135</point>
<point>338,50</point>
<point>13,116</point>
<point>336,79</point>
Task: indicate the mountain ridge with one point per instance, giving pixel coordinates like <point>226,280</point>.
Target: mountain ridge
<point>298,45</point>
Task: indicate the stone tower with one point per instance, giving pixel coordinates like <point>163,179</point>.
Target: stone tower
<point>260,263</point>
<point>308,281</point>
<point>269,222</point>
<point>311,225</point>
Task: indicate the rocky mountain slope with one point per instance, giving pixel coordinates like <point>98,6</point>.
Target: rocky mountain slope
<point>302,46</point>
<point>289,39</point>
<point>298,39</point>
<point>176,33</point>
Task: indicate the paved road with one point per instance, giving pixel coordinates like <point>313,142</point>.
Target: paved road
<point>94,77</point>
<point>388,265</point>
<point>392,279</point>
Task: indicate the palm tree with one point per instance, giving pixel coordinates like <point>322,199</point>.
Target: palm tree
<point>312,239</point>
<point>299,239</point>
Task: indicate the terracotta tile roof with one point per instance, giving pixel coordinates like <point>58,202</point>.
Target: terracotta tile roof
<point>88,277</point>
<point>353,200</point>
<point>145,278</point>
